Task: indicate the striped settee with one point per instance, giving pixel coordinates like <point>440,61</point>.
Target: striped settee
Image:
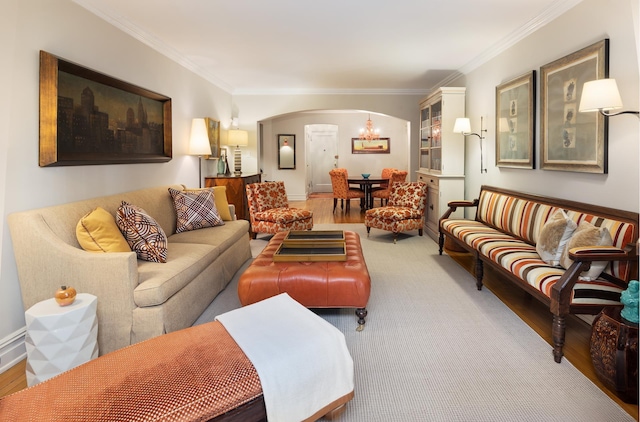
<point>503,235</point>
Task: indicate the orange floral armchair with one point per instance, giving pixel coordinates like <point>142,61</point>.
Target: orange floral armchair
<point>404,211</point>
<point>269,210</point>
<point>395,177</point>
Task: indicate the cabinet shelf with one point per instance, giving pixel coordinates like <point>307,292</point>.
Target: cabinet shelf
<point>441,153</point>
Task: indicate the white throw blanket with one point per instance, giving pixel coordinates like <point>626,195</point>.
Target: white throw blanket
<point>302,360</point>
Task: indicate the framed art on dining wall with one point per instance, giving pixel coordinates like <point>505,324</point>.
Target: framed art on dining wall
<point>572,141</point>
<point>515,122</point>
<point>374,146</point>
<point>87,118</point>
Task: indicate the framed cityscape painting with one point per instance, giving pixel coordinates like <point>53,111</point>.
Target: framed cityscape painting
<point>87,117</point>
<point>573,141</point>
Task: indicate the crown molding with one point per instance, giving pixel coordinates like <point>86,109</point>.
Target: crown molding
<point>303,91</point>
<point>155,43</point>
<point>548,15</point>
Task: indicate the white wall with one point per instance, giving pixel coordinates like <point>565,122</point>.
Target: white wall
<point>349,124</point>
<point>588,22</point>
<point>69,31</point>
<point>255,108</point>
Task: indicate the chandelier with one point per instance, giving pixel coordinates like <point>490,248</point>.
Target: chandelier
<point>369,133</point>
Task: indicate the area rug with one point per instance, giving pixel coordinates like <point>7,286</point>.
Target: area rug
<point>437,349</point>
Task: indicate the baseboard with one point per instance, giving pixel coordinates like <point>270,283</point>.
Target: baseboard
<point>13,349</point>
<point>292,198</point>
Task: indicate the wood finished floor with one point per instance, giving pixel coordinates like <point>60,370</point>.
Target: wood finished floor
<point>532,312</point>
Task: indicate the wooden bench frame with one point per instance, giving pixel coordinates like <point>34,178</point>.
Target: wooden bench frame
<point>560,301</point>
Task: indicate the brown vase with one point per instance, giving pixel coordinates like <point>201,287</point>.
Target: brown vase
<point>65,295</point>
<point>614,353</point>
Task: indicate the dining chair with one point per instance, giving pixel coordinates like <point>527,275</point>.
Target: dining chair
<point>396,177</point>
<point>341,189</point>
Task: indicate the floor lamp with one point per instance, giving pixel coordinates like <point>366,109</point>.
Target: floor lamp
<point>199,143</point>
<point>238,138</point>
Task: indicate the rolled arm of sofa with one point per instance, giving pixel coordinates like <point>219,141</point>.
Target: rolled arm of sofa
<point>453,206</point>
<point>45,262</point>
<point>602,253</point>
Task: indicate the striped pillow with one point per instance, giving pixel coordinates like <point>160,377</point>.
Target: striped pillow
<point>195,210</point>
<point>144,235</point>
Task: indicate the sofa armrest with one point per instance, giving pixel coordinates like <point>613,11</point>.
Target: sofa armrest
<point>232,211</point>
<point>453,206</point>
<point>45,262</point>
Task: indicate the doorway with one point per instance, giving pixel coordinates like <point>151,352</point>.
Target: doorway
<point>322,155</point>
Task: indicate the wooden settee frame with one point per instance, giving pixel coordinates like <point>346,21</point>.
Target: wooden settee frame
<point>560,301</point>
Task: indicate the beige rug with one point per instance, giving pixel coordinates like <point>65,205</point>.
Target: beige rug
<point>437,349</point>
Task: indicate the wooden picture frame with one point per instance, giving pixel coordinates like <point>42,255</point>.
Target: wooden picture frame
<point>573,141</point>
<point>213,131</point>
<point>515,122</point>
<point>286,152</point>
<point>374,146</point>
<point>88,118</point>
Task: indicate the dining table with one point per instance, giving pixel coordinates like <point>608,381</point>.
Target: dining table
<point>367,184</point>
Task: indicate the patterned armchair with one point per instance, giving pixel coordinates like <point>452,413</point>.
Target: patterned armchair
<point>269,210</point>
<point>395,177</point>
<point>341,189</point>
<point>404,212</point>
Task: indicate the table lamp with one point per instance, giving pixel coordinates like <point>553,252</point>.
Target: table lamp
<point>199,143</point>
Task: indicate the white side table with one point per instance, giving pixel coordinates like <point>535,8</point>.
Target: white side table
<point>60,337</point>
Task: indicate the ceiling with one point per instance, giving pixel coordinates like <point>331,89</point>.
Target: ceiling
<point>332,46</point>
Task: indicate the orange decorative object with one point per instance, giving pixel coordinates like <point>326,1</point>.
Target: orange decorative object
<point>65,295</point>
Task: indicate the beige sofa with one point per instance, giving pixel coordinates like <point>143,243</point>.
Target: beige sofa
<point>137,299</point>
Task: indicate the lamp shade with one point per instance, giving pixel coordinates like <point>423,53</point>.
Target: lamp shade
<point>462,125</point>
<point>199,142</point>
<point>238,137</point>
<point>601,94</point>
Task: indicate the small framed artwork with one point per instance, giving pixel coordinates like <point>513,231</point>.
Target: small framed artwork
<point>213,130</point>
<point>87,117</point>
<point>515,122</point>
<point>573,141</point>
<point>374,146</point>
<point>287,152</point>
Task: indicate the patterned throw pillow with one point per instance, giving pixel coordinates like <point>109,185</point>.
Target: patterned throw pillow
<point>220,198</point>
<point>144,235</point>
<point>195,210</point>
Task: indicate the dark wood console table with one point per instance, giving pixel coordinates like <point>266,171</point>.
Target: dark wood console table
<point>236,190</point>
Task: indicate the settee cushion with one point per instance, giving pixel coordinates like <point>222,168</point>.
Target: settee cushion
<point>97,231</point>
<point>195,210</point>
<point>554,237</point>
<point>144,235</point>
<point>587,235</point>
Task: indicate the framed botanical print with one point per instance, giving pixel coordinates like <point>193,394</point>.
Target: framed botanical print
<point>573,141</point>
<point>515,122</point>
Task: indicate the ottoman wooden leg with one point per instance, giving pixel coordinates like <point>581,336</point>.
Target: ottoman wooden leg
<point>361,313</point>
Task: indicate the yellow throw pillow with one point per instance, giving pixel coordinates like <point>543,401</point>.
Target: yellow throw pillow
<point>220,199</point>
<point>97,231</point>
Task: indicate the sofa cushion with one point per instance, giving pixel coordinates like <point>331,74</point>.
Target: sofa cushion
<point>195,210</point>
<point>97,231</point>
<point>185,262</point>
<point>144,235</point>
<point>220,197</point>
<point>219,236</point>
<point>554,236</point>
<point>587,235</point>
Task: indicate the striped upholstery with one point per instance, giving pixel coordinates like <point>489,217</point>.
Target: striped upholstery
<point>506,230</point>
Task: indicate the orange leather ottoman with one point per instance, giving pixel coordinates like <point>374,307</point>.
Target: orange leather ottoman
<point>344,284</point>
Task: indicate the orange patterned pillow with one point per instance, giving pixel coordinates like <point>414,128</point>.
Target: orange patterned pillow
<point>144,235</point>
